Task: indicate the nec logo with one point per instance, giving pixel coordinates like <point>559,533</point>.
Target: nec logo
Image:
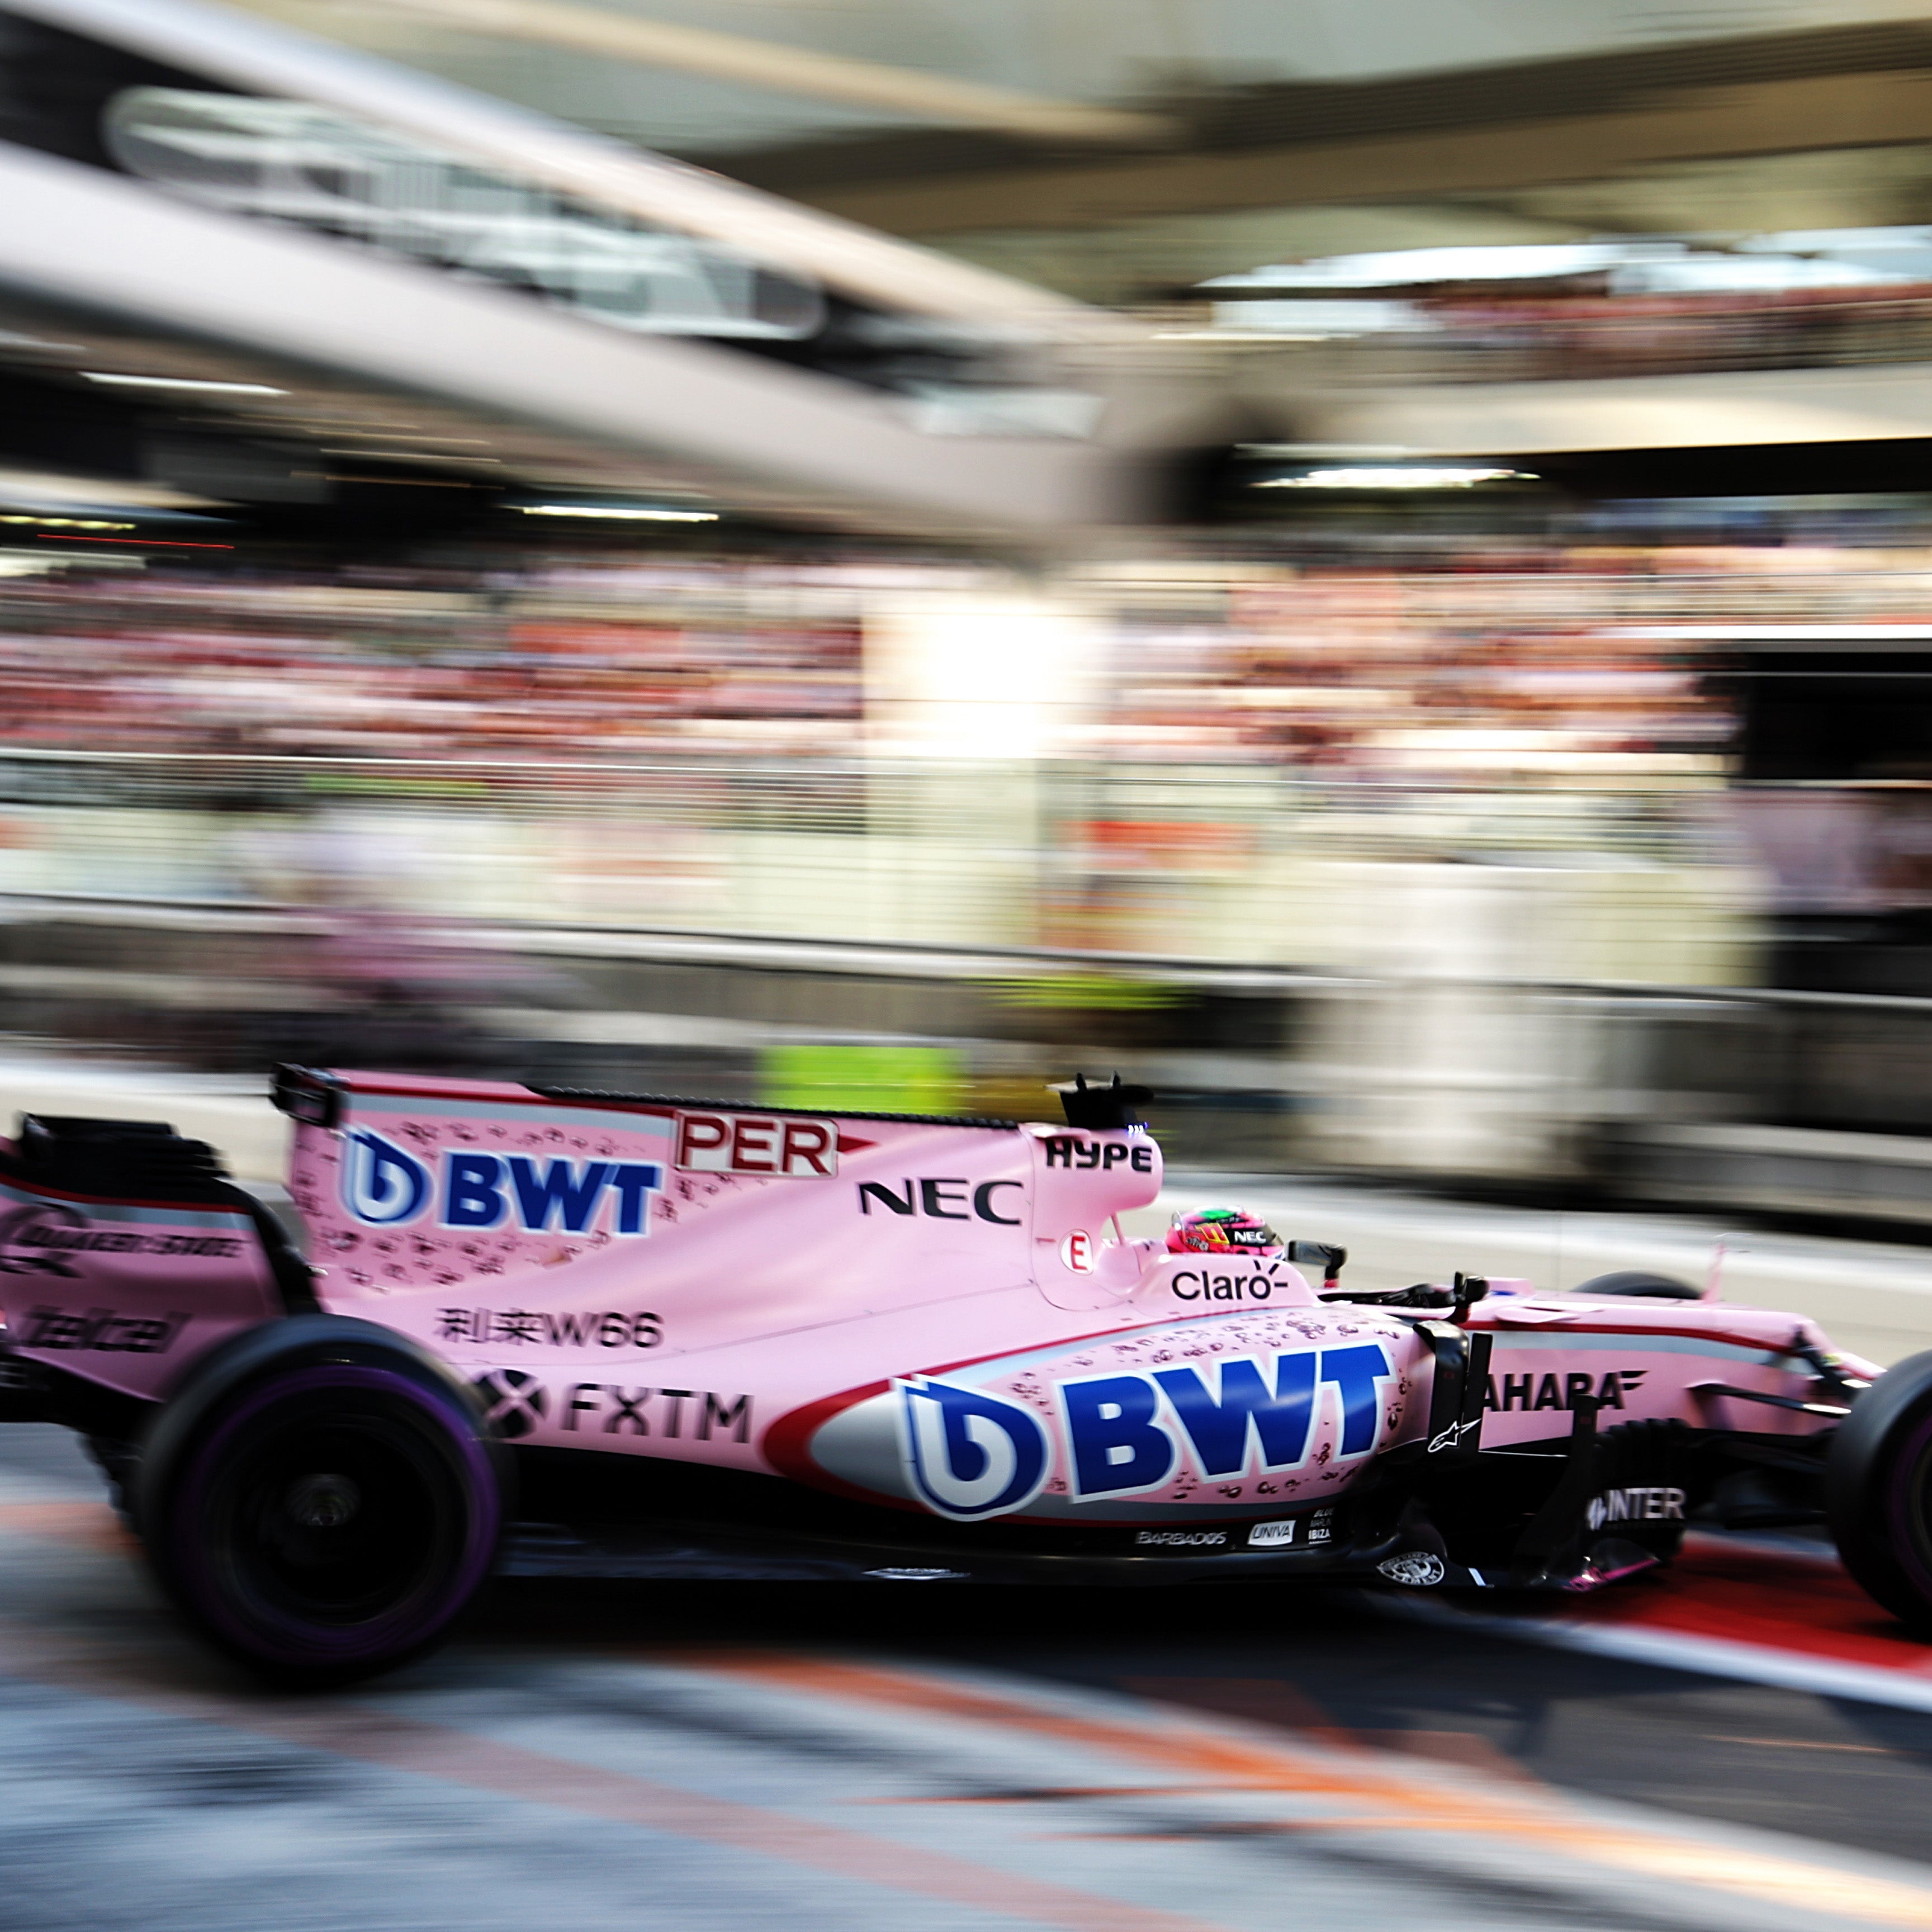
<point>757,1143</point>
<point>1068,1150</point>
<point>946,1200</point>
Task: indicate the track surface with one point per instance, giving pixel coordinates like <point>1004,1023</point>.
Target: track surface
<point>813,1756</point>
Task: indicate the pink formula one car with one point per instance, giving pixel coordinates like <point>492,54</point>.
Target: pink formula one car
<point>575,1333</point>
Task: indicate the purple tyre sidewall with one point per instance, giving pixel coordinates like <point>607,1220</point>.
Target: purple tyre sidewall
<point>1907,1493</point>
<point>197,1571</point>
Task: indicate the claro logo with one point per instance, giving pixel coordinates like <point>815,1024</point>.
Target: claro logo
<point>384,1185</point>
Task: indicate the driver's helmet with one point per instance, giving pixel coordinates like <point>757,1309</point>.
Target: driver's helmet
<point>1222,1231</point>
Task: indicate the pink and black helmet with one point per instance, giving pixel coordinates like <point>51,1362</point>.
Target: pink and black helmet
<point>1222,1231</point>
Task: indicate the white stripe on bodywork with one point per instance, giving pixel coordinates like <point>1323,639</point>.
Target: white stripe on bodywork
<point>1572,1341</point>
<point>130,1212</point>
<point>544,1113</point>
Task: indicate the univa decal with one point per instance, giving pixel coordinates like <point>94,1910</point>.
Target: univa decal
<point>969,1454</point>
<point>384,1185</point>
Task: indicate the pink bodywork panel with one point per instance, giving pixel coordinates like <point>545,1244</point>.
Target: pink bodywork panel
<point>932,1315</point>
<point>126,1293</point>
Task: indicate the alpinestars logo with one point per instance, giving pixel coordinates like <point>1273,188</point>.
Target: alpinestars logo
<point>515,1400</point>
<point>970,1455</point>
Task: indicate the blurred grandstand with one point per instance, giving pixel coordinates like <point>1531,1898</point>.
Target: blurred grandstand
<point>1440,687</point>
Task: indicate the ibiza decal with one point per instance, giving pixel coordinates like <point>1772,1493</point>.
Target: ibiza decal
<point>385,1186</point>
<point>970,1455</point>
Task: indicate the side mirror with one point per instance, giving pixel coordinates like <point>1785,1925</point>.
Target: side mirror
<point>1329,1259</point>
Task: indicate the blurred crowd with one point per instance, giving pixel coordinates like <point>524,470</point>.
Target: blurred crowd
<point>1503,660</point>
<point>562,660</point>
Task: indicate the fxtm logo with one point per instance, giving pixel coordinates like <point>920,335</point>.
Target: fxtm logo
<point>384,1185</point>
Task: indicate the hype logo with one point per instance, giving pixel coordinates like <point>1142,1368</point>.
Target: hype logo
<point>970,1455</point>
<point>381,1184</point>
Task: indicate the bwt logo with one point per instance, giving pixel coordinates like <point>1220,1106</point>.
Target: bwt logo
<point>1122,1430</point>
<point>384,1185</point>
<point>972,1455</point>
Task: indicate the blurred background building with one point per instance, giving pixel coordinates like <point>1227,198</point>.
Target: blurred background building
<point>1371,567</point>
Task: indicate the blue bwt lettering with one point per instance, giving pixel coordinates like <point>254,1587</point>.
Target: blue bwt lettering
<point>472,1191</point>
<point>1356,1372</point>
<point>480,1190</point>
<point>1116,1443</point>
<point>1220,1429</point>
<point>562,1191</point>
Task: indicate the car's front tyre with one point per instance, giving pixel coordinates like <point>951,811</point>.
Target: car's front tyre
<point>1878,1490</point>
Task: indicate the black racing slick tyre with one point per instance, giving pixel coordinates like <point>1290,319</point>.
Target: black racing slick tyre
<point>322,1500</point>
<point>1878,1491</point>
<point>1634,1282</point>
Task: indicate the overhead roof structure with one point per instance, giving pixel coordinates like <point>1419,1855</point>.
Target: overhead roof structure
<point>201,171</point>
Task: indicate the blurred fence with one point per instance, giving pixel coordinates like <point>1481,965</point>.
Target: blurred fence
<point>1524,989</point>
<point>1732,1099</point>
<point>1236,860</point>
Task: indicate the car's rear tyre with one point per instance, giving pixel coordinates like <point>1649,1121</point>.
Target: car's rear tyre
<point>1878,1491</point>
<point>329,1510</point>
<point>1634,1282</point>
